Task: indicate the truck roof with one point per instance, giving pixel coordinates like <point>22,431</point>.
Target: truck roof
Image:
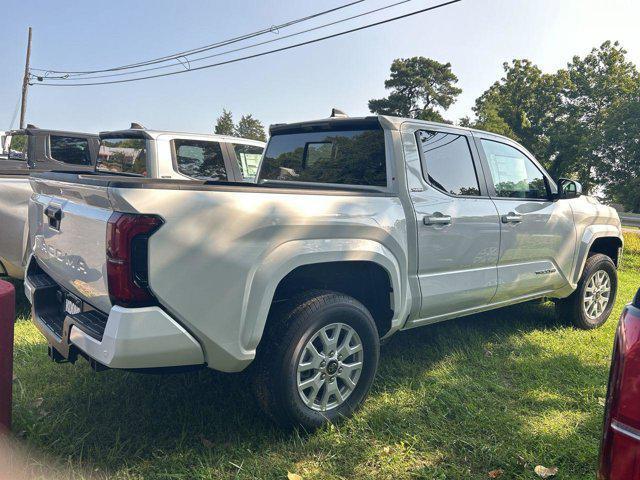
<point>155,134</point>
<point>31,130</point>
<point>387,121</point>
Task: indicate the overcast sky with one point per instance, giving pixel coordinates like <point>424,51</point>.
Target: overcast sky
<point>476,36</point>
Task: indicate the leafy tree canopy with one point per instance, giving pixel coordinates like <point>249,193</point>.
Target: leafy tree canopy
<point>247,127</point>
<point>582,121</point>
<point>224,124</point>
<point>420,88</point>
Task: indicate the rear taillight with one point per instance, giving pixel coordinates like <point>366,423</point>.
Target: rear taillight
<point>127,258</point>
<point>620,449</point>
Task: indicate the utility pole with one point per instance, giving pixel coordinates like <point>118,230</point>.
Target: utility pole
<point>25,83</point>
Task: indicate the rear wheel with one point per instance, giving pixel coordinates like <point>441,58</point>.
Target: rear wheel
<point>591,304</point>
<point>317,361</point>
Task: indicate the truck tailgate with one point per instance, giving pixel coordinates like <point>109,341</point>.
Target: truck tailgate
<point>68,224</point>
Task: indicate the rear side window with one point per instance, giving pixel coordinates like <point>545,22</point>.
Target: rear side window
<point>199,159</point>
<point>447,162</point>
<point>123,155</point>
<point>71,150</point>
<point>18,147</point>
<point>248,158</point>
<point>346,157</point>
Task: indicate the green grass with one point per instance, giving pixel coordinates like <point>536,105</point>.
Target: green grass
<point>508,389</point>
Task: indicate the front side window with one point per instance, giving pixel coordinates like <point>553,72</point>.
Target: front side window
<point>341,156</point>
<point>200,159</point>
<point>71,150</point>
<point>18,147</point>
<point>248,158</point>
<point>448,162</point>
<point>514,175</point>
<point>123,155</point>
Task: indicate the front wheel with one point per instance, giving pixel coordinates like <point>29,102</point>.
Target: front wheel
<point>591,304</point>
<point>317,361</point>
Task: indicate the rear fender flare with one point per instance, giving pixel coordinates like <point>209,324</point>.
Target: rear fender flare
<point>287,257</point>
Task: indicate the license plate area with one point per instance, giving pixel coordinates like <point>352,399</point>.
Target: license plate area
<point>71,305</point>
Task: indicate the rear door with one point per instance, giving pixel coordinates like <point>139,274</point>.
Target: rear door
<point>537,233</point>
<point>458,225</point>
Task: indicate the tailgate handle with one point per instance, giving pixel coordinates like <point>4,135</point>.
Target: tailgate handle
<point>54,212</point>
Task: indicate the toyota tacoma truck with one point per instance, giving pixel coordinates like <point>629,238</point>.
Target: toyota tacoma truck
<point>135,151</point>
<point>355,229</point>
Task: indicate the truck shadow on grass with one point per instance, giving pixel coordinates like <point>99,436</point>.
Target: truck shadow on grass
<point>495,389</point>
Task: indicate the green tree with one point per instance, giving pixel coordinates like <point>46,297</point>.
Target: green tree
<point>600,94</point>
<point>224,124</point>
<point>567,119</point>
<point>620,168</point>
<point>249,127</point>
<point>420,88</point>
<point>524,106</point>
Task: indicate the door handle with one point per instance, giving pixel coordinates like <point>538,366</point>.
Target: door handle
<point>437,219</point>
<point>511,217</point>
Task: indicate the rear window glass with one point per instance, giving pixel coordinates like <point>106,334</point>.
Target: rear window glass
<point>199,159</point>
<point>123,155</point>
<point>71,150</point>
<point>346,157</point>
<point>248,158</point>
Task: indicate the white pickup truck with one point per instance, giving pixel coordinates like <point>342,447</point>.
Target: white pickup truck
<point>135,151</point>
<point>356,228</point>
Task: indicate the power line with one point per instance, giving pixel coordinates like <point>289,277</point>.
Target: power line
<point>222,43</point>
<point>256,55</point>
<point>226,52</point>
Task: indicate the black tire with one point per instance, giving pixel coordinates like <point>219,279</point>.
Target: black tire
<point>572,308</point>
<point>287,334</point>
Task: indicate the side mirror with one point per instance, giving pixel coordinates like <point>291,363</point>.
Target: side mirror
<point>569,188</point>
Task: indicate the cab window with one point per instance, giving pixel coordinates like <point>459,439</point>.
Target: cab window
<point>71,150</point>
<point>123,155</point>
<point>342,156</point>
<point>18,147</point>
<point>448,163</point>
<point>248,158</point>
<point>513,174</point>
<point>201,160</point>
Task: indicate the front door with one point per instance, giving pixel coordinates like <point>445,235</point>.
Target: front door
<point>537,233</point>
<point>458,226</point>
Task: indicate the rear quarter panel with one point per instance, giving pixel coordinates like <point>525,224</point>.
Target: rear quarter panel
<point>15,191</point>
<point>218,259</point>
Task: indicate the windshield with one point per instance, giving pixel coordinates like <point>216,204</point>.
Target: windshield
<point>345,157</point>
<point>123,155</point>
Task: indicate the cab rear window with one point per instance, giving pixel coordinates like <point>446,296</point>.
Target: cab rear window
<point>353,156</point>
<point>123,155</point>
<point>71,150</point>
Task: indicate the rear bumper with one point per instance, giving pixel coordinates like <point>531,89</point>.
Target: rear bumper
<point>126,338</point>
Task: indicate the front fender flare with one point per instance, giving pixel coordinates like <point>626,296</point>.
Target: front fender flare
<point>590,235</point>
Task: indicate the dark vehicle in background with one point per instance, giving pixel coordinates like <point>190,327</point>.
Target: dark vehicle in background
<point>33,150</point>
<point>41,150</point>
<point>620,449</point>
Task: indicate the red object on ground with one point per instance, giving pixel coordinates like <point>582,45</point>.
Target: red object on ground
<point>7,319</point>
<point>620,448</point>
